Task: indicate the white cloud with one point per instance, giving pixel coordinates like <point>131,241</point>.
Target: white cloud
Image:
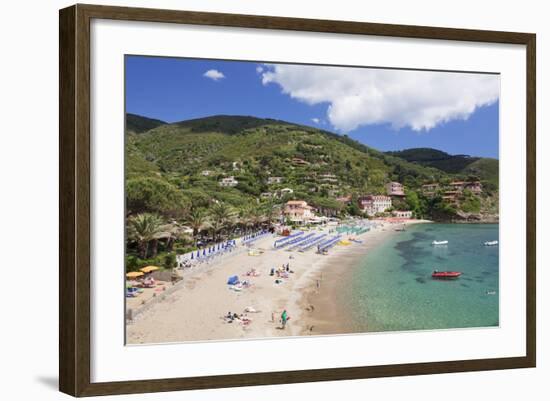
<point>316,120</point>
<point>259,69</point>
<point>214,75</point>
<point>361,96</point>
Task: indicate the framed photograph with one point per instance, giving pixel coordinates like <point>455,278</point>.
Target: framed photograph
<point>250,200</point>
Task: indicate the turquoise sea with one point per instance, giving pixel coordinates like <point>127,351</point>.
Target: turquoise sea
<point>392,289</point>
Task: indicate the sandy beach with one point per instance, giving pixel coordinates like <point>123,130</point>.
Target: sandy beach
<point>195,310</point>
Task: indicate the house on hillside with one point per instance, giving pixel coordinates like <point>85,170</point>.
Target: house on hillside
<point>274,180</point>
<point>372,204</point>
<point>395,189</point>
<point>298,211</point>
<point>474,186</point>
<point>228,182</point>
<point>451,196</point>
<point>206,173</point>
<point>346,200</point>
<point>286,191</point>
<point>328,178</point>
<point>430,189</point>
<point>266,195</point>
<point>299,162</point>
<point>403,214</point>
<point>457,185</point>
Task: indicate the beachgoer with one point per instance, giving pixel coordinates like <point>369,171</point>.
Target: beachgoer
<point>174,277</point>
<point>284,319</point>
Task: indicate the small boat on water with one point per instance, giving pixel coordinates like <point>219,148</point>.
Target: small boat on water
<point>440,242</point>
<point>445,275</point>
<point>490,243</point>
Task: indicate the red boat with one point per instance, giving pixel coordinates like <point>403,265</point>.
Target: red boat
<point>443,275</point>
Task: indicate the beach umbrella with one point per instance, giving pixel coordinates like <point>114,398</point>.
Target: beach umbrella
<point>134,274</point>
<point>149,269</point>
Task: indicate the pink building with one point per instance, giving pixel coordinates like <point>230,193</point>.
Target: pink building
<point>395,189</point>
<point>474,186</point>
<point>298,211</point>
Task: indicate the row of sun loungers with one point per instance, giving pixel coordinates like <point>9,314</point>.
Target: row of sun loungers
<point>297,241</point>
<point>284,241</point>
<point>328,243</point>
<point>249,239</point>
<point>312,242</point>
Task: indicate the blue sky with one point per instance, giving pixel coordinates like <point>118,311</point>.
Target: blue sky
<point>385,109</point>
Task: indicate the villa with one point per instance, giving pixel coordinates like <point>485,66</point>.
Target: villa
<point>206,173</point>
<point>395,189</point>
<point>372,204</point>
<point>298,211</point>
<point>228,182</point>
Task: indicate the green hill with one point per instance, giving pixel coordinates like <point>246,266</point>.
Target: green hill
<point>138,124</point>
<point>485,169</point>
<point>185,161</point>
<point>436,158</point>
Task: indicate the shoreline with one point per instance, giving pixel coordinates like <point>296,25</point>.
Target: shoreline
<point>323,312</point>
<point>194,312</point>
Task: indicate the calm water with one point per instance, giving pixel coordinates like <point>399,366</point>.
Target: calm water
<point>393,288</point>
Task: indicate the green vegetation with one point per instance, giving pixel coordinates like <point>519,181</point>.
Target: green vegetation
<point>463,166</point>
<point>173,174</point>
<point>138,124</point>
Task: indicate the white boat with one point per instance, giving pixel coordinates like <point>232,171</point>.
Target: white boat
<point>440,242</point>
<point>490,243</point>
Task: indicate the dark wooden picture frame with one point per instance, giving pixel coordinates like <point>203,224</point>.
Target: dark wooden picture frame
<point>74,204</point>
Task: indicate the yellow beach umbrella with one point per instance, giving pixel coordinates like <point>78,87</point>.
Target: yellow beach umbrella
<point>149,269</point>
<point>134,274</point>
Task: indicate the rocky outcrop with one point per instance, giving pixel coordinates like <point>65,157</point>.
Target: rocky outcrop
<point>463,217</point>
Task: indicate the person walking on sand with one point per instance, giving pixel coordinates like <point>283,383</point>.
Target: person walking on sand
<point>284,319</point>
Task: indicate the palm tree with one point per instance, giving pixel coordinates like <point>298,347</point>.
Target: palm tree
<point>245,217</point>
<point>272,212</point>
<point>257,217</point>
<point>222,216</point>
<point>144,228</point>
<point>196,219</point>
<point>171,232</point>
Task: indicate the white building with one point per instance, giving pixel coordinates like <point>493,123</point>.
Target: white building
<point>274,180</point>
<point>372,204</point>
<point>228,182</point>
<point>206,173</point>
<point>403,214</point>
<point>286,191</point>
